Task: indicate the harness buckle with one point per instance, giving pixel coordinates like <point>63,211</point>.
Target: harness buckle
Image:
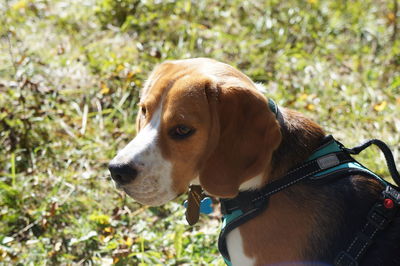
<point>328,161</point>
<point>392,193</point>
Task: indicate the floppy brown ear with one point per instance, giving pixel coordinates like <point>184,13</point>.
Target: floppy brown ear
<point>245,133</point>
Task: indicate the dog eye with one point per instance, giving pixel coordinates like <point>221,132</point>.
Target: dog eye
<point>181,132</point>
<point>143,110</point>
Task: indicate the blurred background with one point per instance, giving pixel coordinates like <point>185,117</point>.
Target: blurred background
<point>70,75</point>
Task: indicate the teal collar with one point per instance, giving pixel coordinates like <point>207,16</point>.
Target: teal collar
<point>272,105</point>
<point>275,109</point>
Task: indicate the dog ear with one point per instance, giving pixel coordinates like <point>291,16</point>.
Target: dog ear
<point>244,133</point>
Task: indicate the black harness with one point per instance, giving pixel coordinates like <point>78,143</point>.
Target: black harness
<point>329,162</point>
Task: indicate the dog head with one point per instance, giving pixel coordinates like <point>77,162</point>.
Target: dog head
<point>199,121</point>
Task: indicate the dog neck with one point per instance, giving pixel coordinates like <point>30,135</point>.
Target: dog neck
<point>300,137</point>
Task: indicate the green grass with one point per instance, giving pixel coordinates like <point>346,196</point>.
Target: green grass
<point>70,73</point>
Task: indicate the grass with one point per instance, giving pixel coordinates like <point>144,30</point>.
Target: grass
<point>70,73</point>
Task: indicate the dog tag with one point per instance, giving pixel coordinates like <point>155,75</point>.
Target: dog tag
<point>206,206</point>
<point>193,204</point>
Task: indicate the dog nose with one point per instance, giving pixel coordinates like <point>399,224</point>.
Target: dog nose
<point>122,173</point>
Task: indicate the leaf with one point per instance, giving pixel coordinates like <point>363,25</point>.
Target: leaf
<point>178,241</point>
<point>7,239</point>
<point>100,218</point>
<point>83,238</point>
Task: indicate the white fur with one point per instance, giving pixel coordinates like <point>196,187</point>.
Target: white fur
<point>261,88</point>
<point>234,239</point>
<point>252,184</point>
<point>195,181</point>
<point>234,243</point>
<point>153,184</point>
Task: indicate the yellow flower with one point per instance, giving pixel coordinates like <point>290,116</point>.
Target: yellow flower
<point>119,68</point>
<point>104,88</point>
<point>303,97</point>
<point>128,241</point>
<point>310,107</point>
<point>20,5</point>
<point>380,106</point>
<point>108,230</point>
<point>130,74</point>
<point>391,17</point>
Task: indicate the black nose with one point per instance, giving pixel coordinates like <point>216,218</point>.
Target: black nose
<point>122,173</point>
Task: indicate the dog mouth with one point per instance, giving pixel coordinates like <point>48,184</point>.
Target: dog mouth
<point>154,198</point>
<point>147,194</point>
<point>140,185</point>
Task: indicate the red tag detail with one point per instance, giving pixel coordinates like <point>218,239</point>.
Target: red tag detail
<point>388,203</point>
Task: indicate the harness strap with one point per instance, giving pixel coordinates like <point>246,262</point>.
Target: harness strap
<point>386,152</point>
<point>379,217</point>
<point>248,200</point>
<point>330,162</point>
<point>236,216</point>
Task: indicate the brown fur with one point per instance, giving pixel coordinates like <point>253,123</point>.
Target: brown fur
<point>248,135</point>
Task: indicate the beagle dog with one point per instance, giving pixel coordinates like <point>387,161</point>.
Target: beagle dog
<point>204,122</point>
